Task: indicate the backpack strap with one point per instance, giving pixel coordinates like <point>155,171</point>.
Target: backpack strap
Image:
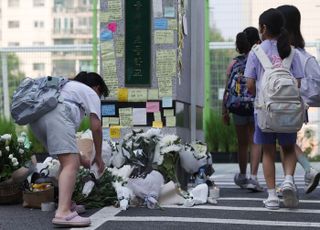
<point>261,55</point>
<point>286,63</point>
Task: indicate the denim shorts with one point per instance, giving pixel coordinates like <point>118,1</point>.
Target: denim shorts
<point>271,138</point>
<point>57,131</point>
<point>242,120</point>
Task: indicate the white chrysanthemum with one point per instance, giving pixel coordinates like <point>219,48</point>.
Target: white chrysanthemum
<point>6,137</point>
<point>171,148</point>
<point>169,140</point>
<point>200,150</point>
<point>14,160</point>
<point>10,156</point>
<point>8,148</point>
<point>21,151</point>
<point>160,159</point>
<point>55,162</point>
<point>20,140</point>
<point>153,133</point>
<point>15,164</point>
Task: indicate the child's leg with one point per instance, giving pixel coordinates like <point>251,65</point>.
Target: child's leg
<point>269,152</point>
<point>243,142</point>
<point>289,159</point>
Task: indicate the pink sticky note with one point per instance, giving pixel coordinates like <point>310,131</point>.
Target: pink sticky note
<point>152,106</point>
<point>112,26</point>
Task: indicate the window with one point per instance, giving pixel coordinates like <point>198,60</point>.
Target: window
<point>38,43</point>
<point>13,24</point>
<point>38,3</point>
<point>57,25</point>
<point>13,44</point>
<point>13,3</point>
<point>83,22</point>
<point>38,24</point>
<point>38,66</point>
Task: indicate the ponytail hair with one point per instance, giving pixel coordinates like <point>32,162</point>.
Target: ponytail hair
<point>283,44</point>
<point>92,79</point>
<point>274,22</point>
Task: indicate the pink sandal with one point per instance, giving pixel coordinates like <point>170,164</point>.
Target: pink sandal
<point>71,220</point>
<point>77,208</point>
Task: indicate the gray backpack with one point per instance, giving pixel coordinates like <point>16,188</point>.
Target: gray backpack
<point>278,105</point>
<point>36,97</point>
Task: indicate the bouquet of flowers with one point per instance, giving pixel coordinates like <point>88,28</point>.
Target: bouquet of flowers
<point>15,158</point>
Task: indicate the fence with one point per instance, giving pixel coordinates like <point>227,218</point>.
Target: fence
<point>58,60</point>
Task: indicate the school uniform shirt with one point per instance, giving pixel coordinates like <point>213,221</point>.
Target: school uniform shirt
<point>87,100</point>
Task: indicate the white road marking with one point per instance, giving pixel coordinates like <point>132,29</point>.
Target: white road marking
<point>254,209</point>
<point>261,199</point>
<point>216,221</point>
<point>100,217</point>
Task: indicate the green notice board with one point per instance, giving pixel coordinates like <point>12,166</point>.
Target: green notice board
<point>138,43</point>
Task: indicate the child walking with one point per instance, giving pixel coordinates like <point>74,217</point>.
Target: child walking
<point>275,44</point>
<point>242,111</point>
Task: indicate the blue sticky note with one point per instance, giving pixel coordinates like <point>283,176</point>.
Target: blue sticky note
<point>167,102</point>
<point>106,35</point>
<point>160,24</point>
<point>106,134</point>
<point>169,12</point>
<point>108,110</point>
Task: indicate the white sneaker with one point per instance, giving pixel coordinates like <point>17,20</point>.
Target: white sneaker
<point>290,197</point>
<point>241,181</point>
<point>311,180</point>
<point>253,185</point>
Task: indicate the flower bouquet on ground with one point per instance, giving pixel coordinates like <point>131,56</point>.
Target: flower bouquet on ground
<point>148,188</point>
<point>102,194</point>
<point>15,165</point>
<point>167,155</point>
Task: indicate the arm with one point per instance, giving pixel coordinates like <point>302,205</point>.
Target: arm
<point>251,85</point>
<point>95,126</point>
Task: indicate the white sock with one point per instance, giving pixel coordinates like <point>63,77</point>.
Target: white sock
<point>272,193</point>
<point>288,178</point>
<point>254,177</point>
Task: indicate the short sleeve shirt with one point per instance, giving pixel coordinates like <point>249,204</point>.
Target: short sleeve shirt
<point>255,70</point>
<point>86,98</point>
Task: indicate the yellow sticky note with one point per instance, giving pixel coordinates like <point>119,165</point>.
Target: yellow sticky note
<point>157,116</point>
<point>105,122</point>
<point>157,124</point>
<point>115,132</point>
<point>123,94</point>
<point>153,94</point>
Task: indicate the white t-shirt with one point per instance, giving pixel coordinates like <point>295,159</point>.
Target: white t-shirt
<point>84,96</point>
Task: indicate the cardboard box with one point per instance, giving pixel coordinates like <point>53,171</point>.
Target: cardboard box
<point>34,199</point>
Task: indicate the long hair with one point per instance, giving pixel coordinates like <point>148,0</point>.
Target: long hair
<point>292,24</point>
<point>274,22</point>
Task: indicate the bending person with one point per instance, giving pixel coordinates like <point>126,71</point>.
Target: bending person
<point>56,130</point>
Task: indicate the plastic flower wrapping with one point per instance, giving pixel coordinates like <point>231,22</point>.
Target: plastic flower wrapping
<point>15,158</point>
<point>138,167</point>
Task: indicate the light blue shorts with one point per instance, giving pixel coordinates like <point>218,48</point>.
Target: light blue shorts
<point>57,131</point>
<point>242,120</point>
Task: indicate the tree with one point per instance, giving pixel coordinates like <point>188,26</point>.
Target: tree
<point>14,76</point>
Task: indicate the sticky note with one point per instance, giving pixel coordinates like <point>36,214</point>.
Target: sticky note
<point>157,124</point>
<point>114,120</point>
<point>105,122</point>
<point>123,94</point>
<point>160,23</point>
<point>153,106</point>
<point>106,134</point>
<point>139,116</point>
<point>157,116</point>
<point>171,121</point>
<point>153,94</point>
<point>108,110</point>
<point>168,112</point>
<point>115,132</point>
<point>167,102</point>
